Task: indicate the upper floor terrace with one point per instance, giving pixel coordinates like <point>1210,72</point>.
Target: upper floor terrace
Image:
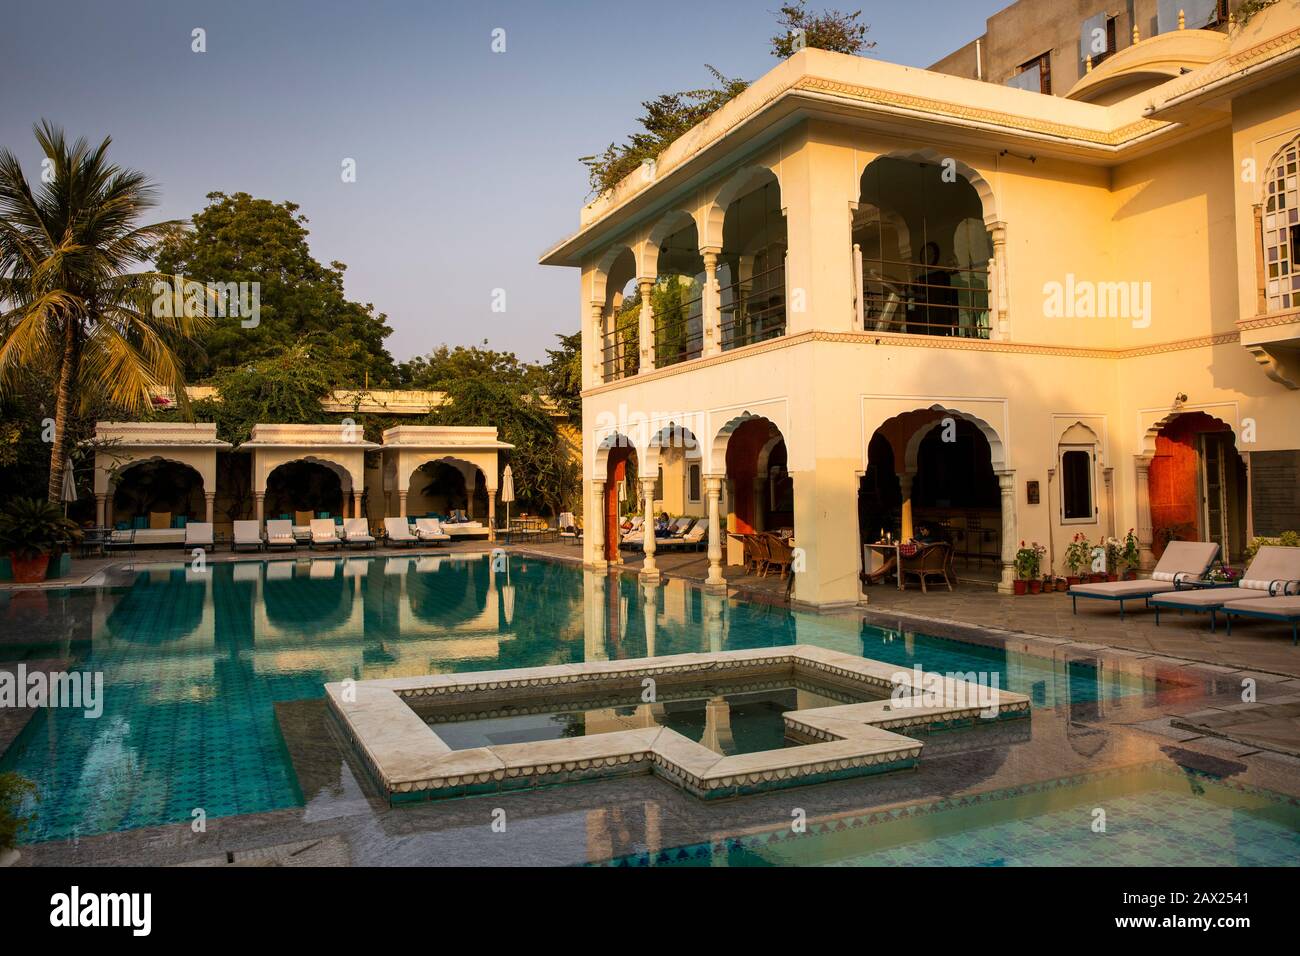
<point>846,195</point>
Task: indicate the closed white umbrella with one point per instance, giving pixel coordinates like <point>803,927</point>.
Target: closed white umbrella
<point>507,492</point>
<point>69,493</point>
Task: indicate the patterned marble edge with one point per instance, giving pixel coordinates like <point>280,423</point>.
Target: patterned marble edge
<point>407,757</point>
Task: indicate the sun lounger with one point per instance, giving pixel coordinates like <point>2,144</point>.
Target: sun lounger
<point>279,534</point>
<point>397,531</point>
<point>1285,609</point>
<point>1183,563</point>
<point>1272,573</point>
<point>248,534</point>
<point>429,529</point>
<point>323,533</point>
<point>356,531</point>
<point>694,538</point>
<point>198,534</point>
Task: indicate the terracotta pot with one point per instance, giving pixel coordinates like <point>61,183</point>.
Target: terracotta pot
<point>1071,581</point>
<point>1112,577</point>
<point>1035,586</point>
<point>29,571</point>
<point>1131,575</point>
<point>1021,586</point>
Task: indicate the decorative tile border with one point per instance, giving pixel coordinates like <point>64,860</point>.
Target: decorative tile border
<point>408,760</point>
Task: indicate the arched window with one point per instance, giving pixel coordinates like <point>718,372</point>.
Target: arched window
<point>1282,230</point>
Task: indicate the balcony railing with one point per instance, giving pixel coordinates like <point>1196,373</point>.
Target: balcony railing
<point>900,296</point>
<point>754,310</point>
<point>619,355</point>
<point>678,332</point>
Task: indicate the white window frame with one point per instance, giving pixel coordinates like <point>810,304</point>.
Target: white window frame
<point>1091,452</point>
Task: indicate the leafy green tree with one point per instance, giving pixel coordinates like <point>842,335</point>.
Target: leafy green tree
<point>285,388</point>
<point>71,307</point>
<point>663,120</point>
<point>831,30</point>
<point>562,375</point>
<point>546,477</point>
<point>238,238</point>
<point>445,366</point>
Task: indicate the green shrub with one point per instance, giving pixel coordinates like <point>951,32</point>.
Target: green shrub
<point>1287,539</point>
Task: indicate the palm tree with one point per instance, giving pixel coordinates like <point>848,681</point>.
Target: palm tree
<point>70,306</point>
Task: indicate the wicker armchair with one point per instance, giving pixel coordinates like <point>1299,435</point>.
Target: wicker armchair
<point>779,554</point>
<point>932,561</point>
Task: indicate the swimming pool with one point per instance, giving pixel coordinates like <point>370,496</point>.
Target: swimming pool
<point>195,664</point>
<point>1144,816</point>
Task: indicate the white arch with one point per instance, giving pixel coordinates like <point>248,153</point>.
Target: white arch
<point>600,290</point>
<point>671,222</point>
<point>672,435</point>
<point>1149,436</point>
<point>462,465</point>
<point>740,184</point>
<point>988,201</point>
<point>606,445</point>
<point>723,437</point>
<point>997,450</point>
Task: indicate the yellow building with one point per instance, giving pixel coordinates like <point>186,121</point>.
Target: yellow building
<point>927,298</point>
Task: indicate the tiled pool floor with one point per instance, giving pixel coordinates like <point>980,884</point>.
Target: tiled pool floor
<point>214,686</point>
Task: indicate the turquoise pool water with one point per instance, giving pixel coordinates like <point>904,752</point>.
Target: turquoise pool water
<point>1152,817</point>
<point>727,722</point>
<point>194,664</point>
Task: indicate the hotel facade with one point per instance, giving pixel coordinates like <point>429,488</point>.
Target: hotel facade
<point>863,298</point>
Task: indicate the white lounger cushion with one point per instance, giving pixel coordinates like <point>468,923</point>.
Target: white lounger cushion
<point>198,533</point>
<point>398,529</point>
<point>322,530</point>
<point>1272,563</point>
<point>428,529</point>
<point>279,531</point>
<point>1122,589</point>
<point>1210,597</point>
<point>1283,607</point>
<point>1184,560</point>
<point>248,532</point>
<point>357,529</point>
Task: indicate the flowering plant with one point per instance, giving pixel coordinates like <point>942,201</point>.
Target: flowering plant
<point>1078,553</point>
<point>1131,556</point>
<point>1224,575</point>
<point>1029,560</point>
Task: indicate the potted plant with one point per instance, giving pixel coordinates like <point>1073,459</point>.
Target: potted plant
<point>1029,562</point>
<point>13,788</point>
<point>1130,555</point>
<point>30,531</point>
<point>1078,556</point>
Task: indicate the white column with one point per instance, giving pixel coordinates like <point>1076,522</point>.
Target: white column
<point>646,327</point>
<point>648,568</point>
<point>999,314</point>
<point>1145,531</point>
<point>492,514</point>
<point>1007,484</point>
<point>713,489</point>
<point>905,516</point>
<point>401,503</point>
<point>712,303</point>
<point>356,504</point>
<point>209,500</point>
<point>101,511</point>
<point>597,368</point>
<point>259,505</point>
<point>596,528</point>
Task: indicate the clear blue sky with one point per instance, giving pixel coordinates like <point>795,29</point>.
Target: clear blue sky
<point>466,159</point>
